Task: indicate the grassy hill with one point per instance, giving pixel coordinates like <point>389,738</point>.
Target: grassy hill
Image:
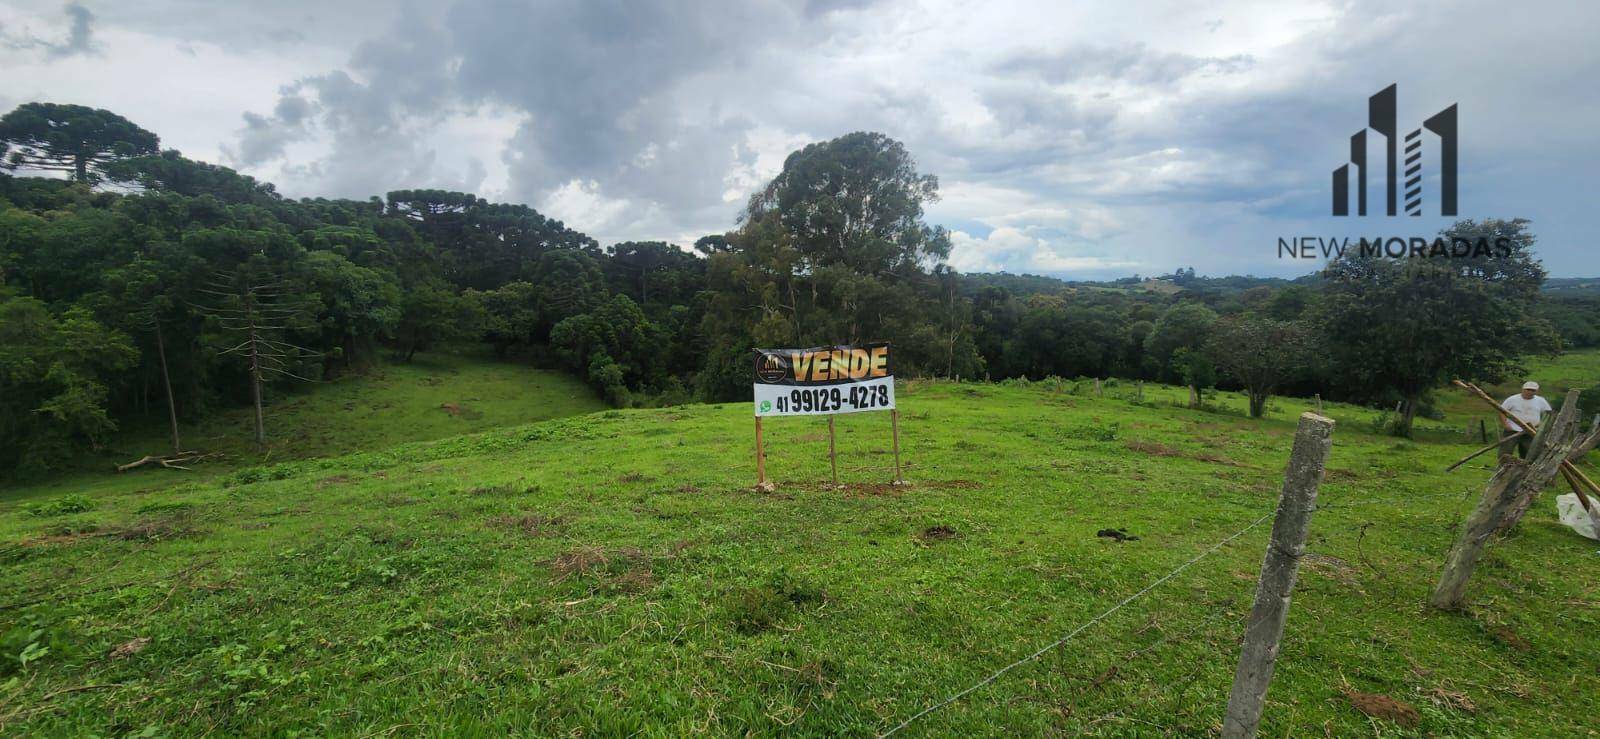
<point>615,572</point>
<point>432,397</point>
<point>1555,375</point>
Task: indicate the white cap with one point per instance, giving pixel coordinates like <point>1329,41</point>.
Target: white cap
<point>1530,385</point>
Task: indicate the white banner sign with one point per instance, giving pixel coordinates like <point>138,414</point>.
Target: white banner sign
<point>823,380</point>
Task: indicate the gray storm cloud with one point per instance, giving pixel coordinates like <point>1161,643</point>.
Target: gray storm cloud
<point>1202,135</point>
<point>78,40</point>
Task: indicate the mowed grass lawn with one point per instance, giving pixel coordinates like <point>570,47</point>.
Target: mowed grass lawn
<point>616,573</point>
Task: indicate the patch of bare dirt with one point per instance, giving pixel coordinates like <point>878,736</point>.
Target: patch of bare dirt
<point>531,524</point>
<point>1158,449</point>
<point>130,648</point>
<point>953,485</point>
<point>1506,636</point>
<point>1154,448</point>
<point>461,410</point>
<point>871,489</point>
<point>635,579</point>
<point>937,533</point>
<point>1384,707</point>
<point>1330,567</point>
<point>156,528</point>
<point>584,560</point>
<point>328,482</point>
<point>633,477</point>
<point>626,569</point>
<point>1451,699</point>
<point>66,538</point>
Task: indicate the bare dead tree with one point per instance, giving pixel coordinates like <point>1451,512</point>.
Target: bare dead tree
<point>257,310</point>
<point>149,317</point>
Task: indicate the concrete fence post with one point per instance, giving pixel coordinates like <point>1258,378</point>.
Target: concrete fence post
<point>1312,440</point>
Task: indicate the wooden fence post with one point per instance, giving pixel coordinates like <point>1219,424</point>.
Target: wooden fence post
<point>1097,393</point>
<point>1513,480</point>
<point>1319,403</point>
<point>1253,676</point>
<point>1483,431</point>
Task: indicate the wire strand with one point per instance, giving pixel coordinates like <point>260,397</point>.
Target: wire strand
<point>1091,622</point>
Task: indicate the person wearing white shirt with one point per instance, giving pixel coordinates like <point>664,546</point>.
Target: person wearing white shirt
<point>1529,407</point>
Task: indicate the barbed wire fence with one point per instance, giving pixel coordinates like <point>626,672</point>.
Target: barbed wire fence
<point>1086,625</point>
<point>1250,626</point>
<point>1297,502</point>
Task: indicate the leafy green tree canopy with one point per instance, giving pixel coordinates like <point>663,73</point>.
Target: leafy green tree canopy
<point>856,201</point>
<point>75,139</point>
<point>1261,354</point>
<point>1407,327</point>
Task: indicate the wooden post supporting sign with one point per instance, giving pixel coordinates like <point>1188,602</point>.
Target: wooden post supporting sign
<point>894,427</point>
<point>833,454</point>
<point>761,459</point>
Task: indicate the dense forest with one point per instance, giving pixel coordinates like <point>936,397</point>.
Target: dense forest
<point>136,283</point>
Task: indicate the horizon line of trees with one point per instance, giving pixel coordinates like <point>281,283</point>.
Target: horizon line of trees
<point>124,289</point>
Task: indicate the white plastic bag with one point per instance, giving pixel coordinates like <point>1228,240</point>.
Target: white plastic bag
<point>1573,515</point>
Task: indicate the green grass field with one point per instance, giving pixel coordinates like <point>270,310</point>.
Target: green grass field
<point>434,396</point>
<point>616,573</point>
<point>1555,375</point>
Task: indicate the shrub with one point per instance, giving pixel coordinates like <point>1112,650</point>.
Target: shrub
<point>60,506</point>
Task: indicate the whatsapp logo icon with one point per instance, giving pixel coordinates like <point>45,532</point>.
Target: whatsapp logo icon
<point>766,405</point>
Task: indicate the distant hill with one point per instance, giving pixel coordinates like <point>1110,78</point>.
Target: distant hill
<point>1024,285</point>
<point>1565,286</point>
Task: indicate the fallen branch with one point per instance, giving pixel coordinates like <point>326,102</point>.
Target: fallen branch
<point>20,713</point>
<point>169,461</point>
<point>1474,455</point>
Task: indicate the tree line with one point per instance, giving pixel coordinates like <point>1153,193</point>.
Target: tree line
<point>144,284</point>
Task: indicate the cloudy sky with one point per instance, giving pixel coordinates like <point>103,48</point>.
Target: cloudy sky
<point>1085,139</point>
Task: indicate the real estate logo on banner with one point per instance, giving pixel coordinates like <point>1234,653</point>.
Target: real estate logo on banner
<point>823,380</point>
